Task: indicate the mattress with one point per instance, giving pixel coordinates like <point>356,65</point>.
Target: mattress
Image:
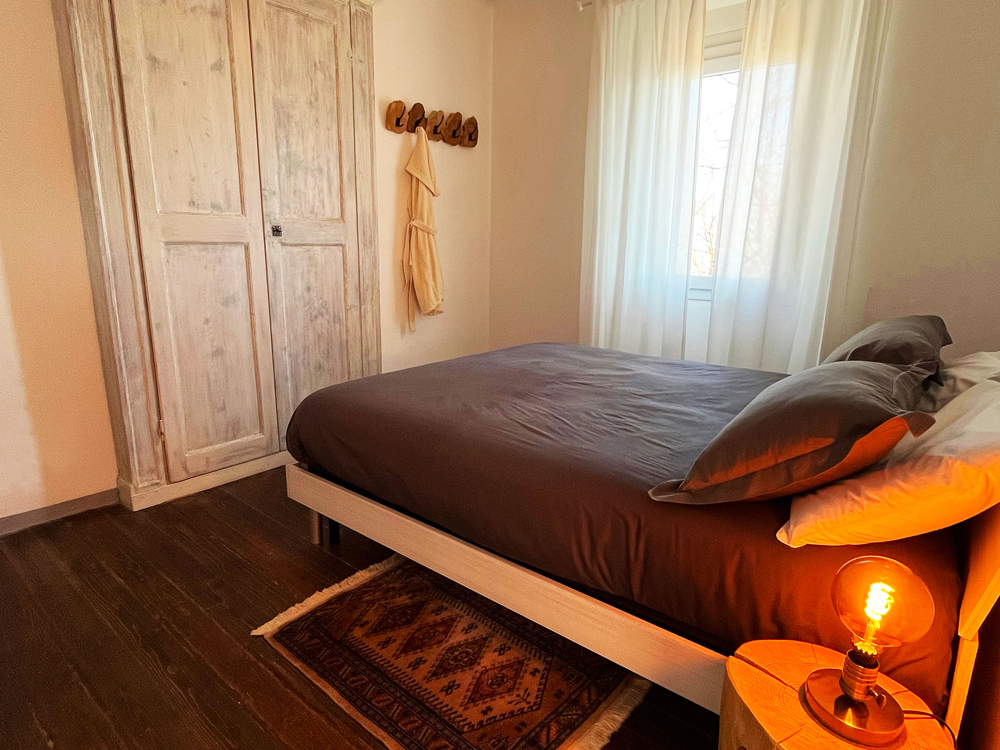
<point>544,454</point>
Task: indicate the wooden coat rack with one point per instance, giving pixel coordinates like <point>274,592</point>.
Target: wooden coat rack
<point>452,129</point>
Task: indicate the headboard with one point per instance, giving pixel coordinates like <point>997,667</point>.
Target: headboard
<point>982,587</point>
<point>982,580</point>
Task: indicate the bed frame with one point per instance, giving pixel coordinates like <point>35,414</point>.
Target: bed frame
<point>679,665</point>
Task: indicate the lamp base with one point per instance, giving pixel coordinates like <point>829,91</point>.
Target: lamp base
<point>876,721</point>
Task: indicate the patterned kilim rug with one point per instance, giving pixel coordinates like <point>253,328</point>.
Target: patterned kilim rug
<point>424,664</point>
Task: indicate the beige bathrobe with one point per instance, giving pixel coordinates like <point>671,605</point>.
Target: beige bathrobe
<point>421,267</point>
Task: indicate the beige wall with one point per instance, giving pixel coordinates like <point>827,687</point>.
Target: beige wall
<point>439,53</point>
<point>929,234</point>
<point>541,68</point>
<point>55,434</point>
<point>928,239</point>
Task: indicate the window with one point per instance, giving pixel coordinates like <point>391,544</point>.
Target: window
<point>723,38</point>
<point>720,81</point>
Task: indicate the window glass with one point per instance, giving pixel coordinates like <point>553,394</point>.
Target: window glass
<point>718,106</point>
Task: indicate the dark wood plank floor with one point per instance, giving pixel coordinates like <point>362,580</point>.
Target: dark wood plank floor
<point>132,630</point>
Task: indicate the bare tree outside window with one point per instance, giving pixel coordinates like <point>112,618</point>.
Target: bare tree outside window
<point>718,106</point>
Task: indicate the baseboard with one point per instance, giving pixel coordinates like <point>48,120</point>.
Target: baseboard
<point>147,497</point>
<point>22,521</point>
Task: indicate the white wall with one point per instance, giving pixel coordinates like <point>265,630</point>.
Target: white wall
<point>55,433</point>
<point>928,238</point>
<point>929,233</point>
<point>541,76</point>
<point>439,53</point>
<point>21,486</point>
<point>541,69</point>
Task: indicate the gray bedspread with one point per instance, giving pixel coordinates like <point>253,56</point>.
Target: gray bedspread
<point>545,453</point>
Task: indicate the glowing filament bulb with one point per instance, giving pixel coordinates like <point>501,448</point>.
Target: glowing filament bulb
<point>882,602</point>
<point>879,601</point>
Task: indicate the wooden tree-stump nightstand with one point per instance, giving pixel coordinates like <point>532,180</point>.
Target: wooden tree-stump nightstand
<point>762,710</point>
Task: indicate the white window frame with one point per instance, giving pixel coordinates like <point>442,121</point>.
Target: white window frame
<point>722,52</point>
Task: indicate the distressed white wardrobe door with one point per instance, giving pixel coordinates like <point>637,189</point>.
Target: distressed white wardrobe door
<point>305,121</point>
<point>186,75</point>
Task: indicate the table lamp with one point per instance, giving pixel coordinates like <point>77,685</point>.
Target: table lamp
<point>884,604</point>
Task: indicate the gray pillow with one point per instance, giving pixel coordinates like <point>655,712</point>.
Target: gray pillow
<point>910,340</point>
<point>807,430</point>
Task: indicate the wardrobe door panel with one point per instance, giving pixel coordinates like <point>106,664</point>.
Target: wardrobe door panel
<point>188,89</point>
<point>302,51</point>
<point>191,117</point>
<point>216,346</point>
<point>305,119</point>
<point>315,321</point>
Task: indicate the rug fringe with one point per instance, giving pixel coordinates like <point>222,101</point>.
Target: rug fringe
<point>610,716</point>
<point>321,597</point>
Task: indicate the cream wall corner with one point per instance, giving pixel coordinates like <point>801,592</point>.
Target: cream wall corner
<point>541,72</point>
<point>928,235</point>
<point>55,432</point>
<point>439,53</point>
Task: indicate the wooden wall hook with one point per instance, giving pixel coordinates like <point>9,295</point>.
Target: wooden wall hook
<point>453,129</point>
<point>470,133</point>
<point>396,117</point>
<point>417,119</point>
<point>434,122</point>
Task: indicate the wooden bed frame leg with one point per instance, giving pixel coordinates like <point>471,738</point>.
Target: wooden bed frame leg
<point>323,530</point>
<point>330,530</point>
<point>315,527</point>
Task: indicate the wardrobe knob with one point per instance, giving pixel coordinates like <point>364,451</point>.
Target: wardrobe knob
<point>276,230</point>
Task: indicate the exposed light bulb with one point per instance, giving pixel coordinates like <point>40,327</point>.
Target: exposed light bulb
<point>883,603</point>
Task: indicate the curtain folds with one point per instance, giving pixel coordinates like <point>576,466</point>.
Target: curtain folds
<point>641,159</point>
<point>803,65</point>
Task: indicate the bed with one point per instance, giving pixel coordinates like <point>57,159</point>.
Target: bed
<point>524,473</point>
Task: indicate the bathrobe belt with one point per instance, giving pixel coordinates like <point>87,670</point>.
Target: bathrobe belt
<point>417,224</point>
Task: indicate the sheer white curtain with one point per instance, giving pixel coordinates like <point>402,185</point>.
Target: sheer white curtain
<point>802,68</point>
<point>641,156</point>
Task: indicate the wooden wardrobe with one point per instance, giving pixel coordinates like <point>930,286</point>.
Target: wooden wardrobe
<point>224,155</point>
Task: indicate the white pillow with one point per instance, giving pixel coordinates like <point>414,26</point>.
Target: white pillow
<point>958,376</point>
<point>945,476</point>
